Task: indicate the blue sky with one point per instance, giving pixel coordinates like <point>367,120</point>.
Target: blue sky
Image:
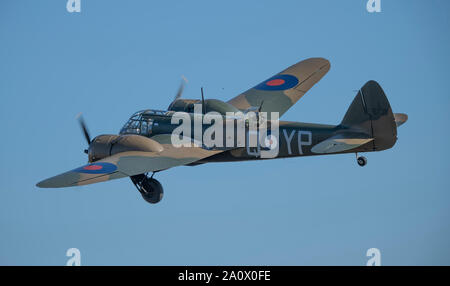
<point>117,57</point>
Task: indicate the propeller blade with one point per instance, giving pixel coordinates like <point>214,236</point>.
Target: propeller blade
<point>84,128</point>
<point>181,88</point>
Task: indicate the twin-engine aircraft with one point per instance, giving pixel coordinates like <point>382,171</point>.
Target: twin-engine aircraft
<point>144,145</point>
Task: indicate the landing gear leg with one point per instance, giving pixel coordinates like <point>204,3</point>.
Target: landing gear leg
<point>150,189</point>
<point>362,161</point>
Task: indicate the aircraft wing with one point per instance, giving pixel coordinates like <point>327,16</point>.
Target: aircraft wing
<point>341,142</point>
<point>129,163</point>
<point>280,92</point>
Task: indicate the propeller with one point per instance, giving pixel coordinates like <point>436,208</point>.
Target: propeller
<point>181,88</point>
<point>84,129</point>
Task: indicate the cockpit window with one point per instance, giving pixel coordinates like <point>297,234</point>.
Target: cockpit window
<point>142,122</point>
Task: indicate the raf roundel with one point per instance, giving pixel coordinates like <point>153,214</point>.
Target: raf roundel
<point>278,82</point>
<point>97,168</point>
<point>92,167</point>
<point>275,82</point>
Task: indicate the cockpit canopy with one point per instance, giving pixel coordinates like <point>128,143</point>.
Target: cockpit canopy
<point>141,122</point>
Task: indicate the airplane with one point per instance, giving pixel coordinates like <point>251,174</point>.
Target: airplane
<point>144,143</point>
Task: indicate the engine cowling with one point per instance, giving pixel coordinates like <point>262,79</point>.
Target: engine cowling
<point>106,145</point>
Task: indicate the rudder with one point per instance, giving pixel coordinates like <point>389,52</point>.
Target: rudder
<point>371,113</point>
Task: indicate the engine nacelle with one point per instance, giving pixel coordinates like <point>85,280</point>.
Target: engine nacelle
<point>106,145</point>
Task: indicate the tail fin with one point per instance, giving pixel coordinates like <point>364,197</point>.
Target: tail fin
<point>371,113</point>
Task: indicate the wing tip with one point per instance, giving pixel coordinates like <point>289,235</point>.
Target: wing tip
<point>310,66</point>
<point>322,62</point>
<point>44,184</point>
<point>54,182</point>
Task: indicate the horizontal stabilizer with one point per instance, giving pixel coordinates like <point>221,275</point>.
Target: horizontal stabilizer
<point>340,143</point>
<point>400,118</point>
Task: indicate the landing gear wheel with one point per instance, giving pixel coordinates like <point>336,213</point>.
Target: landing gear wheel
<point>362,161</point>
<point>150,189</point>
<point>153,191</point>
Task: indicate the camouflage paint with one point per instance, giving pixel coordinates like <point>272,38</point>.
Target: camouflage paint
<point>369,117</point>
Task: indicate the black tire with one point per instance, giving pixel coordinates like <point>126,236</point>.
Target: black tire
<point>362,161</point>
<point>154,191</point>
